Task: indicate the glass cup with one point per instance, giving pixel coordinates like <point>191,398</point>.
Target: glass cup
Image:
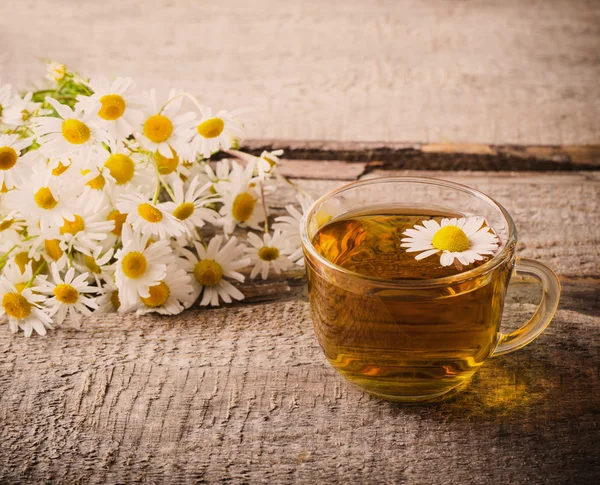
<point>412,339</point>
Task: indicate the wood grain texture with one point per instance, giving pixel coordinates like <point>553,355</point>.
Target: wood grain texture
<point>514,71</point>
<point>243,394</point>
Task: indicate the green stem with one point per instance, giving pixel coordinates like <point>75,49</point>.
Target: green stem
<point>37,272</point>
<point>262,198</point>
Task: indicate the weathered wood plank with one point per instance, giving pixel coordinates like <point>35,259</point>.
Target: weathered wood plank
<point>516,71</point>
<point>446,156</point>
<point>244,395</point>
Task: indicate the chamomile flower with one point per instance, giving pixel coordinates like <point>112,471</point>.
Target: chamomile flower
<point>290,228</point>
<point>11,228</point>
<point>44,200</point>
<point>148,217</point>
<point>265,165</point>
<point>221,172</point>
<point>22,110</point>
<point>89,225</point>
<point>15,167</point>
<point>140,265</point>
<point>212,265</point>
<point>214,132</point>
<point>96,264</point>
<point>268,253</point>
<point>242,201</point>
<point>123,170</point>
<point>189,207</point>
<point>20,304</point>
<point>55,71</point>
<point>465,240</point>
<point>162,126</point>
<point>109,301</point>
<point>5,98</point>
<point>69,296</point>
<point>73,133</point>
<point>119,107</point>
<point>169,297</point>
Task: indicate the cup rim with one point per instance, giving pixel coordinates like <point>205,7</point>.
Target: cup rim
<point>488,266</point>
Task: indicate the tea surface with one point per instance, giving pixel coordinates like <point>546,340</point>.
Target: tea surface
<point>403,342</point>
<point>369,244</point>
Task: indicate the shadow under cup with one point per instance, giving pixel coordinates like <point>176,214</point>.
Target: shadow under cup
<point>411,339</point>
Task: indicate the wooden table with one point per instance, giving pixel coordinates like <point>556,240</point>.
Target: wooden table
<point>243,394</point>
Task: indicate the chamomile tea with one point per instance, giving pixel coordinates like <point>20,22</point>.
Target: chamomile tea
<point>404,340</point>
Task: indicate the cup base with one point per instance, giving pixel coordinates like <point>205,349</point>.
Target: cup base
<point>419,399</point>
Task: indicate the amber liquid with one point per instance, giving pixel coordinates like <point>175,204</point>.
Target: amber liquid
<point>405,343</point>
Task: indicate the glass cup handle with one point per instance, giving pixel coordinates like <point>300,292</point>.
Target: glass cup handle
<point>544,313</point>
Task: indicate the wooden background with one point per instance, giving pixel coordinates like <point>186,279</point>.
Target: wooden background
<point>353,89</point>
<point>509,71</point>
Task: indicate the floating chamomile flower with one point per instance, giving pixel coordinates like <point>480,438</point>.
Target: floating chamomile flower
<point>120,109</point>
<point>162,126</point>
<point>15,167</point>
<point>169,297</point>
<point>75,133</point>
<point>214,132</point>
<point>466,239</point>
<point>212,265</point>
<point>189,207</point>
<point>20,304</point>
<point>268,253</point>
<point>150,218</point>
<point>69,296</point>
<point>140,265</point>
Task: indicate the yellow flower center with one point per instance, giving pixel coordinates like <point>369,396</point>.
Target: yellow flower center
<point>97,183</point>
<point>114,300</point>
<point>243,207</point>
<point>8,158</point>
<point>158,128</point>
<point>53,249</point>
<point>72,227</point>
<point>91,264</point>
<point>267,253</point>
<point>167,165</point>
<point>121,168</point>
<point>208,272</point>
<point>66,294</point>
<point>450,238</point>
<point>115,215</point>
<point>183,211</point>
<point>211,128</point>
<point>159,294</point>
<point>16,305</point>
<point>22,259</point>
<point>44,199</point>
<point>134,265</point>
<point>5,224</point>
<point>75,132</point>
<point>20,287</point>
<point>149,213</point>
<point>113,107</point>
<point>60,168</point>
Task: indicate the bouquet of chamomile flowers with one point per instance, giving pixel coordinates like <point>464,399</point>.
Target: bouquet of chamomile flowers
<point>109,201</point>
